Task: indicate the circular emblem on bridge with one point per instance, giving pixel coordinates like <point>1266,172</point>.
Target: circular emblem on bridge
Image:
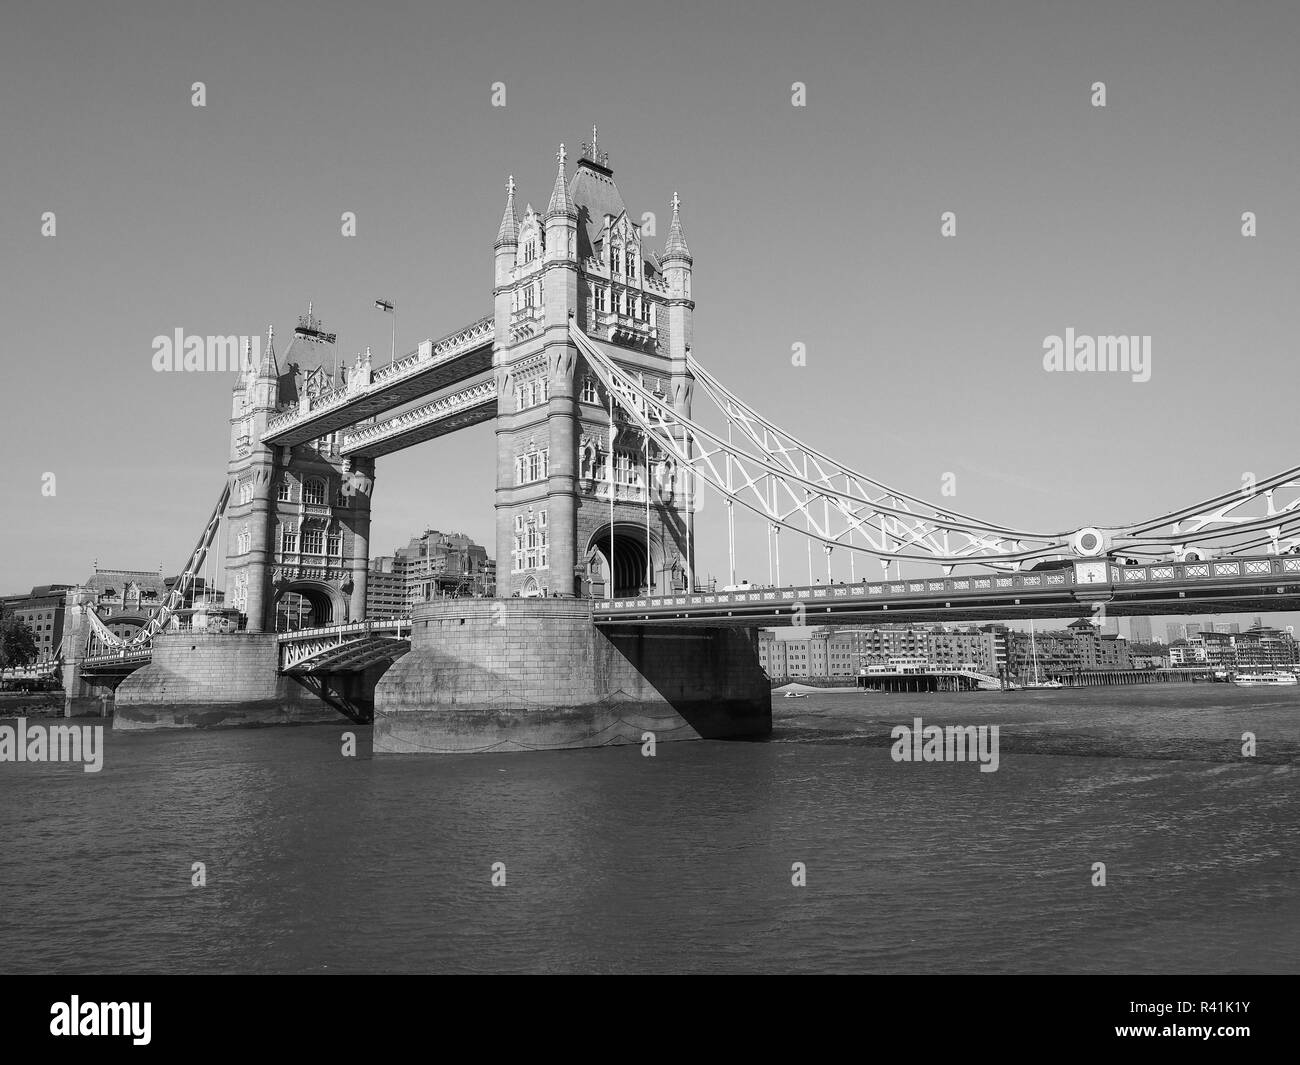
<point>1088,542</point>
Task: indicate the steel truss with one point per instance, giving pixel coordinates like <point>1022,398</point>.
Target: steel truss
<point>757,464</point>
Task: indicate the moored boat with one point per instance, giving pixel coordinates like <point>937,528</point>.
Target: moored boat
<point>1273,678</point>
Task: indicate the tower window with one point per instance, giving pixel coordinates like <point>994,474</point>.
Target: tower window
<point>588,389</point>
<point>284,490</point>
<point>313,492</point>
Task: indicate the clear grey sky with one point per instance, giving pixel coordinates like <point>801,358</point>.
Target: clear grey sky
<point>817,225</point>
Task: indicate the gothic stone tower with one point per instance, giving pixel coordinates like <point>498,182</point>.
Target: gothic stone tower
<point>572,488</point>
<point>298,520</point>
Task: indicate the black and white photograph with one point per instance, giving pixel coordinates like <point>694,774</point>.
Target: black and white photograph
<point>605,488</point>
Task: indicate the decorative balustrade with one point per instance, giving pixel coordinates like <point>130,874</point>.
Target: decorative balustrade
<point>625,493</point>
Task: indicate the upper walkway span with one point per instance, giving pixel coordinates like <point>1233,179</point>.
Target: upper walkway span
<point>432,367</point>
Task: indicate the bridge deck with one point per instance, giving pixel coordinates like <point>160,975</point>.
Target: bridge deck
<point>475,403</point>
<point>1237,585</point>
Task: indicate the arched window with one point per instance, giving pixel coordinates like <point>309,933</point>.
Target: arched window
<point>284,490</point>
<point>245,491</point>
<point>313,492</point>
<point>630,263</point>
<point>588,389</point>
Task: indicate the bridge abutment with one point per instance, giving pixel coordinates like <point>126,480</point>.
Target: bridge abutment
<point>537,674</point>
<point>209,680</point>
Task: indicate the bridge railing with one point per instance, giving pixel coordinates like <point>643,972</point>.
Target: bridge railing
<point>395,624</point>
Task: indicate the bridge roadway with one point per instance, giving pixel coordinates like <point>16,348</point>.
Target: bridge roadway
<point>1231,585</point>
<point>453,361</point>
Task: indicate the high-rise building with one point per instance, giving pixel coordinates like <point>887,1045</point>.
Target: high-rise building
<point>433,565</point>
<point>1194,627</point>
<point>385,590</point>
<point>437,564</point>
<point>1175,631</point>
<point>1139,630</point>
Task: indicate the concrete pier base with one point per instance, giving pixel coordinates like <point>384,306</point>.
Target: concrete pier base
<point>536,674</point>
<point>211,680</point>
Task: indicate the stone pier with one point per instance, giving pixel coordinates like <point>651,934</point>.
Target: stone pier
<point>208,680</point>
<point>536,674</point>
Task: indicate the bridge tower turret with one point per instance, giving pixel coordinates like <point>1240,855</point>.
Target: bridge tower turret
<point>572,490</point>
<point>251,470</point>
<point>677,263</point>
<point>298,519</point>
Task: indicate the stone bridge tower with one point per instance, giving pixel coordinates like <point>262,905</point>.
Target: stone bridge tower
<point>298,520</point>
<point>582,504</point>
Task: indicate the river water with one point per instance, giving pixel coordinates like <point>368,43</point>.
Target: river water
<point>615,862</point>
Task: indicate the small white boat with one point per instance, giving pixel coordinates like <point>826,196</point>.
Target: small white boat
<point>796,695</point>
<point>1043,684</point>
<point>1265,679</point>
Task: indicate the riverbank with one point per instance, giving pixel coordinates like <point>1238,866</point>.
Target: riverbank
<point>31,704</point>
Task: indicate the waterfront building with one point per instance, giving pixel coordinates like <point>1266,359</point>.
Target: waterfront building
<point>1268,648</point>
<point>1186,654</point>
<point>42,611</point>
<point>1215,649</point>
<point>844,652</point>
<point>1080,647</point>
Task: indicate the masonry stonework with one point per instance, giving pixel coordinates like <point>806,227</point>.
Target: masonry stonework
<point>200,680</point>
<point>517,675</point>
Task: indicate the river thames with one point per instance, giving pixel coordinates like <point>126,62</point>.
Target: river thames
<point>616,862</point>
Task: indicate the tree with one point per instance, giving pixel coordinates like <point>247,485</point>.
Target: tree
<point>17,648</point>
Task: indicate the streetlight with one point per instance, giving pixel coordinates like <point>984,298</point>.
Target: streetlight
<point>389,307</point>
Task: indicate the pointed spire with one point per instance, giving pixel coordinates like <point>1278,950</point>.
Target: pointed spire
<point>560,194</point>
<point>245,366</point>
<point>676,247</point>
<point>269,367</point>
<point>509,231</point>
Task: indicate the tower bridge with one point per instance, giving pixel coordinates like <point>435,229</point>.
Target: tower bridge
<point>608,425</point>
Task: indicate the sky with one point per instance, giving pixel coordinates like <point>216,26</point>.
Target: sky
<point>815,225</point>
